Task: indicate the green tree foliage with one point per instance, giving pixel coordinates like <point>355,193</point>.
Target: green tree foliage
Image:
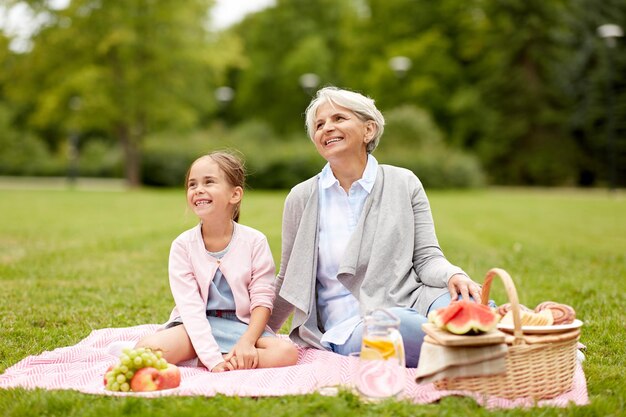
<point>270,162</point>
<point>502,79</point>
<point>121,69</point>
<point>412,140</point>
<point>597,87</point>
<point>519,75</point>
<point>283,43</point>
<point>525,85</point>
<point>22,154</point>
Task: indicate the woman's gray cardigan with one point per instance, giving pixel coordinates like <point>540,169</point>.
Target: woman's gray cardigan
<point>392,259</point>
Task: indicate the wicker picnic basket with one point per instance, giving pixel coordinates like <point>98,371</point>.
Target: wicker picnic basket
<point>537,366</point>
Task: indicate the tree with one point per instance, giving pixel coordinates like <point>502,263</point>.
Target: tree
<point>595,93</point>
<point>122,68</point>
<point>521,83</point>
<point>506,79</point>
<point>283,43</point>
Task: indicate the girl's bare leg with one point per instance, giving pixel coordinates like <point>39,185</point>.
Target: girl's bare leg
<point>275,352</point>
<point>174,343</point>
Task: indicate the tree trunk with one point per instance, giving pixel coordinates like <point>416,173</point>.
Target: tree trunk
<point>132,156</point>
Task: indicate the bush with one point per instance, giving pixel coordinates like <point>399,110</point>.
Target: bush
<point>27,155</point>
<point>99,159</point>
<point>165,167</point>
<point>292,161</point>
<point>413,141</point>
<point>24,153</point>
<point>439,167</point>
<point>271,163</point>
<point>410,125</point>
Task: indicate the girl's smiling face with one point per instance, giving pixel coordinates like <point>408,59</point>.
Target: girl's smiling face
<point>209,194</point>
<point>339,131</point>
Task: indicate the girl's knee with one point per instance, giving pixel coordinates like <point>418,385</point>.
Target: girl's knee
<point>143,342</point>
<point>149,341</point>
<point>284,352</point>
<point>289,352</point>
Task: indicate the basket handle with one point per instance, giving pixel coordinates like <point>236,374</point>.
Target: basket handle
<point>512,295</point>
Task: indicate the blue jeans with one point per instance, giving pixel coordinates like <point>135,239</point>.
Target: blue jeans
<point>410,329</point>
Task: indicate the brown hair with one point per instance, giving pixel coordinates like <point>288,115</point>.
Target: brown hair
<point>233,168</point>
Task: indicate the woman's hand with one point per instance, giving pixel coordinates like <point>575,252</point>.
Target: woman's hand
<point>463,285</point>
<point>222,367</point>
<point>243,356</point>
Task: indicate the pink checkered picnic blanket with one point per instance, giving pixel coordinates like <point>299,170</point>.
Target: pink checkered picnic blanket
<point>81,367</point>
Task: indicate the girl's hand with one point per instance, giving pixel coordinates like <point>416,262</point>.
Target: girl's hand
<point>463,285</point>
<point>243,356</point>
<point>222,367</point>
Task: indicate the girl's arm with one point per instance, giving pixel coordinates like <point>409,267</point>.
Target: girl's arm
<point>261,292</point>
<point>244,354</point>
<point>191,305</point>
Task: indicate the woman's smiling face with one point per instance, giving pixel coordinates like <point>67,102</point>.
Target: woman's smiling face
<point>340,132</point>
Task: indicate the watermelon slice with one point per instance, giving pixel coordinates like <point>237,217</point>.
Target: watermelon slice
<point>443,315</point>
<point>465,317</point>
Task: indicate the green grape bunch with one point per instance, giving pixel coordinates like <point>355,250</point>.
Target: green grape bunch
<point>118,376</point>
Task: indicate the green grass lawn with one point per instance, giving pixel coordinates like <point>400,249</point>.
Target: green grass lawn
<point>72,261</point>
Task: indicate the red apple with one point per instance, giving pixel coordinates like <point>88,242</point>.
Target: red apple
<point>146,379</point>
<point>170,377</point>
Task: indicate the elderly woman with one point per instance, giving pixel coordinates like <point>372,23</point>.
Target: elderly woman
<point>359,236</point>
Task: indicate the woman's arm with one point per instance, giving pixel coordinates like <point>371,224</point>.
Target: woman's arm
<point>429,262</point>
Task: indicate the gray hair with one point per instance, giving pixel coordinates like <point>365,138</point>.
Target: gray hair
<point>362,106</point>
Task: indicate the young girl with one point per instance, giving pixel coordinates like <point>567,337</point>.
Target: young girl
<point>221,276</point>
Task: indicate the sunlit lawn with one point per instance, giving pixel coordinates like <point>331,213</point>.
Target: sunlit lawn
<point>72,261</point>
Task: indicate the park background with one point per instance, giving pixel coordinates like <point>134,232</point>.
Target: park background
<point>475,92</point>
<point>513,114</point>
